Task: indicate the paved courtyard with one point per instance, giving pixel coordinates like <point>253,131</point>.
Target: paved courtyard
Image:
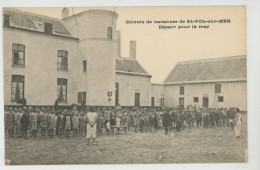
<point>196,145</point>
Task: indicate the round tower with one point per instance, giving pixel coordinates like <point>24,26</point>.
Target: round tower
<point>96,30</point>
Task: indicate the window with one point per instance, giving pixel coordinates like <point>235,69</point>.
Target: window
<point>17,90</point>
<point>48,28</point>
<point>62,89</point>
<point>181,90</point>
<point>6,20</point>
<point>62,63</point>
<point>109,32</point>
<point>82,97</point>
<point>220,99</point>
<point>195,99</point>
<point>18,54</point>
<point>84,66</point>
<point>217,88</point>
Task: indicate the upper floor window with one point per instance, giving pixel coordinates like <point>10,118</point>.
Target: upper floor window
<point>85,66</point>
<point>62,89</point>
<point>17,89</point>
<point>109,32</point>
<point>62,63</point>
<point>181,90</point>
<point>217,88</point>
<point>18,54</point>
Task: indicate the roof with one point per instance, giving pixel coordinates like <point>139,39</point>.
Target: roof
<point>93,11</point>
<point>217,69</point>
<point>30,21</point>
<point>126,65</point>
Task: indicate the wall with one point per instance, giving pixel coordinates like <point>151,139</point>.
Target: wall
<point>40,69</point>
<point>234,93</point>
<point>157,93</point>
<point>128,84</point>
<point>92,24</point>
<point>100,76</point>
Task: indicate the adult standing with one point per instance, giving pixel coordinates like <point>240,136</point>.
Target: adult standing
<point>166,121</point>
<point>25,121</point>
<point>178,121</point>
<point>10,122</point>
<point>91,125</point>
<point>238,123</point>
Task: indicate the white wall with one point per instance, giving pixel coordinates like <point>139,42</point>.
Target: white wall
<point>92,24</point>
<point>157,93</point>
<point>100,76</point>
<point>234,93</point>
<point>129,84</point>
<point>40,69</point>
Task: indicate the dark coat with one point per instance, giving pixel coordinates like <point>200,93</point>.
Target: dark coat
<point>25,121</point>
<point>166,119</point>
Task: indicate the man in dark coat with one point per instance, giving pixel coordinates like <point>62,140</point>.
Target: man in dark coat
<point>166,121</point>
<point>25,121</point>
<point>178,121</point>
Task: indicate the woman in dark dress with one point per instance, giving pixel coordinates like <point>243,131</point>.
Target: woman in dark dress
<point>25,121</point>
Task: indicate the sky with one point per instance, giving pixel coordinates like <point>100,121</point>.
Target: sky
<point>159,50</point>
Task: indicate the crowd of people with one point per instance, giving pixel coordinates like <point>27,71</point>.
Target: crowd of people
<point>90,121</point>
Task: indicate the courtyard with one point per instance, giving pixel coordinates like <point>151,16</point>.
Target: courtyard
<point>195,145</point>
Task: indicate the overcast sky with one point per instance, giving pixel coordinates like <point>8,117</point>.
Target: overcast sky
<point>159,50</point>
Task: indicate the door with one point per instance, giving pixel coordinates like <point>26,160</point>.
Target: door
<point>162,102</point>
<point>137,99</point>
<point>205,102</point>
<point>152,104</point>
<point>181,103</point>
<point>117,94</point>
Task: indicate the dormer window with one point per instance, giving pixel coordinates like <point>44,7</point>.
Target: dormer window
<point>6,20</point>
<point>48,28</point>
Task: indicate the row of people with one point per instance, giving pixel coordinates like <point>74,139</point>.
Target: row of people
<point>62,122</point>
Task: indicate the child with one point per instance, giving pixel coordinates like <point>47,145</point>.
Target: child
<point>100,122</point>
<point>75,122</point>
<point>108,126</point>
<point>118,124</point>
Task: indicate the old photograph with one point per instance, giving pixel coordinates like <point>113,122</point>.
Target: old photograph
<point>125,85</point>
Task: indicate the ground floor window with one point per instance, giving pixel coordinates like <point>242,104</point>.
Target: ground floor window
<point>195,99</point>
<point>17,89</point>
<point>62,89</point>
<point>220,99</point>
<point>82,97</point>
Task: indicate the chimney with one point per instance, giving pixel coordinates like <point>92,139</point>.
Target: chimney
<point>133,49</point>
<point>118,37</point>
<point>65,13</point>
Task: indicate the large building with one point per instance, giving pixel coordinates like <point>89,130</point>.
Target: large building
<point>220,82</point>
<point>48,59</point>
<point>77,59</point>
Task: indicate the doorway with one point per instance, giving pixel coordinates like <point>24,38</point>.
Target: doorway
<point>205,103</point>
<point>137,99</point>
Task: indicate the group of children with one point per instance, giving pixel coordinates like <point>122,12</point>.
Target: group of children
<point>47,121</point>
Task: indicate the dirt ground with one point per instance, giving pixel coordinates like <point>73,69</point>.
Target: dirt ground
<point>196,145</point>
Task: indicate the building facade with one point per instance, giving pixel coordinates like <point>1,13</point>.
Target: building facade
<point>77,59</point>
<point>47,59</point>
<point>219,82</point>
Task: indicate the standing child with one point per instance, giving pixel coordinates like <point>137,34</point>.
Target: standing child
<point>118,124</point>
<point>100,122</point>
<point>108,126</point>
